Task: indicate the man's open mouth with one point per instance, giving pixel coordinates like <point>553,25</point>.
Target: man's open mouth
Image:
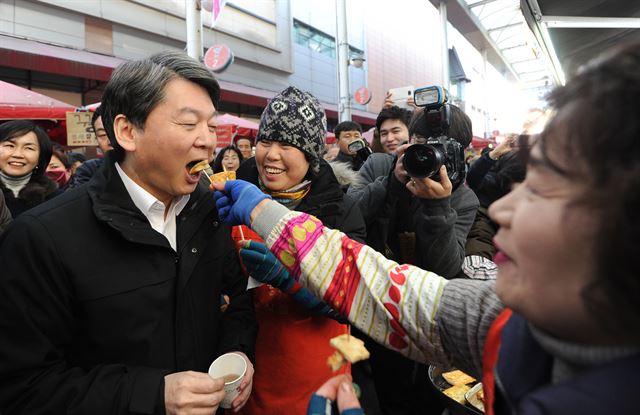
<point>196,166</point>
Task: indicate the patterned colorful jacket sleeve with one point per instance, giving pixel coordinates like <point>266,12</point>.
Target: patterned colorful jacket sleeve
<point>405,308</point>
<point>394,304</point>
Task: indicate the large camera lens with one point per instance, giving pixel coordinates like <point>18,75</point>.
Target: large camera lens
<point>422,160</point>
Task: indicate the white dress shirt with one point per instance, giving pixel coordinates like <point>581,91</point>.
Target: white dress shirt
<point>154,209</point>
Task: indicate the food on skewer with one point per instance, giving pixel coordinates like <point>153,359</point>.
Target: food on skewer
<point>348,349</point>
<point>198,167</point>
<point>223,176</point>
<point>218,177</point>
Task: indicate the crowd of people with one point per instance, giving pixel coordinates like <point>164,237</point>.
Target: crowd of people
<point>123,277</point>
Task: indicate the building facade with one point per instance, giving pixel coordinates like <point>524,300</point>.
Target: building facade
<point>68,49</point>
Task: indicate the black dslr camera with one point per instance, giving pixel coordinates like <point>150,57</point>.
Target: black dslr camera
<point>360,149</point>
<point>425,160</point>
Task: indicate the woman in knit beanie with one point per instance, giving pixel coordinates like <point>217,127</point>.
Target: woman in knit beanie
<point>293,342</point>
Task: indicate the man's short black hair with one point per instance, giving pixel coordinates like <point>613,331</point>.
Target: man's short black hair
<point>460,128</point>
<point>393,113</point>
<point>137,87</point>
<point>74,157</point>
<point>347,126</point>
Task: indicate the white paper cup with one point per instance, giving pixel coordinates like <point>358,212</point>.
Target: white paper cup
<point>224,367</point>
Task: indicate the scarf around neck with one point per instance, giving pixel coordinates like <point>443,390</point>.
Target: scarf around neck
<point>290,197</point>
<point>15,184</point>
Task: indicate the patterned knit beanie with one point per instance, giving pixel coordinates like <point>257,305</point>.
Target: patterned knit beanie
<point>296,118</point>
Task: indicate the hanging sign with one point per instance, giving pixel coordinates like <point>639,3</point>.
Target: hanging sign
<point>79,129</point>
<point>362,96</point>
<point>218,58</point>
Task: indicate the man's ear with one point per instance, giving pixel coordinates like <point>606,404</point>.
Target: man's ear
<point>125,132</point>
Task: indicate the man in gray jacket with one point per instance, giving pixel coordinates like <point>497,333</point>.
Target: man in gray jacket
<point>419,221</point>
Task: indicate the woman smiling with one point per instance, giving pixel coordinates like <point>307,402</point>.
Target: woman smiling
<point>293,342</point>
<point>25,151</point>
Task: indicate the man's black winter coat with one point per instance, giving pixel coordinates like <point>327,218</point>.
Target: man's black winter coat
<point>97,307</point>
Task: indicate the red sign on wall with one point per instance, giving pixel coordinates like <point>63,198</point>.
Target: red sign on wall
<point>225,135</point>
<point>362,96</point>
<point>218,58</point>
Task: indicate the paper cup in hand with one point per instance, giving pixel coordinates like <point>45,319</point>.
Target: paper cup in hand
<point>231,367</point>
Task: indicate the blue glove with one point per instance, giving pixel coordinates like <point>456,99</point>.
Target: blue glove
<point>319,405</point>
<point>237,201</point>
<point>262,265</point>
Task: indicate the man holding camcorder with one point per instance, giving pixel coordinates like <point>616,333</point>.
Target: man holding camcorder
<point>418,211</point>
<point>353,149</point>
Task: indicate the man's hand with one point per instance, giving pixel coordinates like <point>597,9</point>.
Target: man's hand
<point>236,201</point>
<point>504,147</point>
<point>245,386</point>
<point>399,171</point>
<point>388,102</point>
<point>192,393</point>
<point>340,389</point>
<point>430,189</point>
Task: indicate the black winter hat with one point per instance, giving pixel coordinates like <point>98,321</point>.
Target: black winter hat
<point>295,117</point>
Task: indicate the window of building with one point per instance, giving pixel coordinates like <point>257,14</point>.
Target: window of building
<point>321,42</point>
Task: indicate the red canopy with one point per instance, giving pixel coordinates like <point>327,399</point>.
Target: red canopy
<point>242,127</point>
<point>479,142</point>
<point>231,128</point>
<point>21,103</point>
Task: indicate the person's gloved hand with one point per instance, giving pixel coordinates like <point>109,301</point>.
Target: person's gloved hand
<point>237,201</point>
<point>263,266</point>
<point>339,389</point>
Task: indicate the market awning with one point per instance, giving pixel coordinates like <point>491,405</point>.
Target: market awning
<point>231,126</point>
<point>21,103</point>
<point>243,128</point>
<point>479,142</point>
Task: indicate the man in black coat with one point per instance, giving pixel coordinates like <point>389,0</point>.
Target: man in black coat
<point>110,294</point>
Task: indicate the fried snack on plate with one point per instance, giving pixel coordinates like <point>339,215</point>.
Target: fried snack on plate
<point>348,349</point>
<point>223,176</point>
<point>457,377</point>
<point>457,393</point>
<point>202,165</point>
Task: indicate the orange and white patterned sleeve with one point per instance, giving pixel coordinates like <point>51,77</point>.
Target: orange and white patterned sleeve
<point>394,304</point>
